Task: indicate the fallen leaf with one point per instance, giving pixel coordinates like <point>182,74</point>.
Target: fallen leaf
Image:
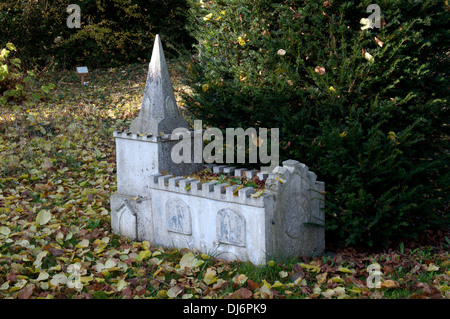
<point>156,253</point>
<point>210,276</point>
<point>38,261</point>
<point>379,42</point>
<point>236,191</point>
<point>219,284</point>
<point>121,285</point>
<point>174,292</point>
<point>336,279</point>
<point>277,284</point>
<point>432,267</point>
<point>143,255</point>
<point>389,284</point>
<point>240,279</point>
<point>83,243</point>
<point>26,292</point>
<point>299,281</point>
<point>42,276</point>
<point>425,287</point>
<point>58,279</point>
<point>322,278</point>
<point>161,294</point>
<point>43,217</point>
<point>207,17</point>
<point>252,285</point>
<point>257,194</point>
<point>56,252</point>
<point>312,268</point>
<point>5,285</point>
<point>242,293</point>
<point>346,270</point>
<point>46,164</point>
<point>126,293</point>
<point>328,293</point>
<point>339,291</point>
<point>320,70</point>
<point>5,231</point>
<point>266,293</point>
<point>189,261</point>
<point>368,56</point>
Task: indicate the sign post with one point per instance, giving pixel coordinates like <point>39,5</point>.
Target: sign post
<point>83,71</point>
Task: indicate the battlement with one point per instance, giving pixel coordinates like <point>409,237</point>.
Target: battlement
<point>234,193</point>
<point>149,137</point>
<point>223,192</point>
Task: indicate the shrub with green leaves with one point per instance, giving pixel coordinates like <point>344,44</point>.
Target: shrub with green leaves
<point>365,108</point>
<point>112,32</point>
<point>11,81</point>
<point>16,85</point>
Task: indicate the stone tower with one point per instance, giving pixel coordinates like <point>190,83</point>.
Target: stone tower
<point>146,148</point>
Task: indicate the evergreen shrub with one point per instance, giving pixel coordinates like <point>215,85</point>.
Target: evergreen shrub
<point>365,108</point>
<point>112,32</point>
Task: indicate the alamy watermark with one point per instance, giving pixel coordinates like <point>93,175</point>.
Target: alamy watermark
<point>374,278</point>
<point>74,19</point>
<point>213,152</point>
<point>74,279</point>
<point>374,20</point>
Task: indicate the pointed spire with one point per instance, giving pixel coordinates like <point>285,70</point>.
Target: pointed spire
<point>159,111</point>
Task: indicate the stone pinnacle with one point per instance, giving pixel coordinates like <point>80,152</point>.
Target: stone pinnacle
<point>159,112</point>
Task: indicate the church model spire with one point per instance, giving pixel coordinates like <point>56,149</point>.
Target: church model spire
<point>159,112</point>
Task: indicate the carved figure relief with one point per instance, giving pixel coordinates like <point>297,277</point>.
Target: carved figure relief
<point>171,107</point>
<point>178,217</point>
<point>230,227</point>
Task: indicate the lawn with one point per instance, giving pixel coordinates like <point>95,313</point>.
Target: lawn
<point>57,172</point>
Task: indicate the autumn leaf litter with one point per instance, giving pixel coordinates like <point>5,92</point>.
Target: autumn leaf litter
<point>57,173</point>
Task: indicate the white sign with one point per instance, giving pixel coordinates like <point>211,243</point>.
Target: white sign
<point>82,69</point>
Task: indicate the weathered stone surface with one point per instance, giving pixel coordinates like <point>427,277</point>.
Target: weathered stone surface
<point>287,220</point>
<point>298,216</point>
<point>127,218</point>
<point>207,215</point>
<point>138,158</point>
<point>159,111</point>
<point>230,227</point>
<point>178,217</point>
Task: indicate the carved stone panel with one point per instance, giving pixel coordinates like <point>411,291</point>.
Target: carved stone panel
<point>230,227</point>
<point>171,107</point>
<point>178,217</point>
<point>297,212</point>
<point>127,220</point>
